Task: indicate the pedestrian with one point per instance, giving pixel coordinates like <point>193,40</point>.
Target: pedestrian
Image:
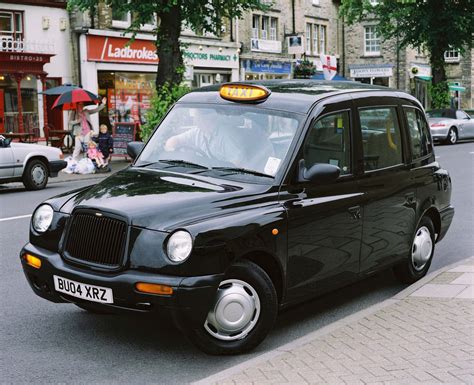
<point>105,142</point>
<point>81,126</point>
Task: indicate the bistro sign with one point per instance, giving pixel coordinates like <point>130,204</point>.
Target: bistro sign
<point>121,50</point>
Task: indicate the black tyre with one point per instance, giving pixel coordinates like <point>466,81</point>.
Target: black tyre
<point>35,176</point>
<point>452,136</point>
<point>420,256</point>
<point>242,314</point>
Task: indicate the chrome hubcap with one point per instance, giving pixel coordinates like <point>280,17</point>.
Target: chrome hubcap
<point>38,174</point>
<point>452,136</point>
<point>235,311</point>
<point>422,248</point>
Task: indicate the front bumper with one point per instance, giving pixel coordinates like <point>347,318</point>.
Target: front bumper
<point>55,166</point>
<point>446,216</point>
<point>188,305</point>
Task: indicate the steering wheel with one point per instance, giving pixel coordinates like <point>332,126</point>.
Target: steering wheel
<point>194,150</point>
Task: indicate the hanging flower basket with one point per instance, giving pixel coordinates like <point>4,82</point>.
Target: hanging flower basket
<point>304,70</point>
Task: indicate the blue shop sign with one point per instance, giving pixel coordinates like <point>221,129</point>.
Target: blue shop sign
<point>267,66</point>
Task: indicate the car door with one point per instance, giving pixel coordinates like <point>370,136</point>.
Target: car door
<point>6,162</point>
<point>389,199</point>
<point>466,125</point>
<point>324,219</point>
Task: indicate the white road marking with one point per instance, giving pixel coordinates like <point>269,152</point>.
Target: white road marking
<point>13,218</point>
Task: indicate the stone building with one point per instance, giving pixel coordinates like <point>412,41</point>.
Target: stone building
<point>125,73</point>
<point>460,74</point>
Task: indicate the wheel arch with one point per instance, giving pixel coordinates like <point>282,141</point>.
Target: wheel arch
<point>435,217</point>
<point>41,158</point>
<point>271,266</point>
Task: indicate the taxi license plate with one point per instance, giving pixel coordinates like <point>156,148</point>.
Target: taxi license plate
<point>83,291</point>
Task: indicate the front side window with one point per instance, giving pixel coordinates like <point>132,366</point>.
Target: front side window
<point>371,40</point>
<point>419,133</point>
<point>328,141</point>
<point>381,137</point>
<point>223,137</point>
<point>461,115</point>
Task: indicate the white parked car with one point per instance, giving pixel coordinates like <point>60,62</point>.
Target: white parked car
<point>449,125</point>
<point>31,164</point>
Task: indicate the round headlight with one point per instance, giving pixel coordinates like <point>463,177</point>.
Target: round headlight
<point>42,218</point>
<point>179,246</point>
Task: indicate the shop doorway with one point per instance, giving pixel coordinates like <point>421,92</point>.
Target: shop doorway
<point>55,116</point>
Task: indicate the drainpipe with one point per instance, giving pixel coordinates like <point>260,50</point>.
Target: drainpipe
<point>343,48</point>
<point>398,61</point>
<point>293,16</point>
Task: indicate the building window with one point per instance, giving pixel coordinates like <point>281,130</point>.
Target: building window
<point>11,24</point>
<point>316,39</point>
<point>122,19</point>
<point>371,41</point>
<point>452,55</point>
<point>264,27</point>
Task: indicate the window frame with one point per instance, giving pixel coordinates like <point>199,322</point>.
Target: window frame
<point>452,55</point>
<point>18,29</point>
<point>273,35</point>
<point>370,39</point>
<point>255,30</point>
<point>369,106</point>
<point>417,111</point>
<point>314,120</point>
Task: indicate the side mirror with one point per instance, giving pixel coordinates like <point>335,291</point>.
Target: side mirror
<point>134,148</point>
<point>319,173</point>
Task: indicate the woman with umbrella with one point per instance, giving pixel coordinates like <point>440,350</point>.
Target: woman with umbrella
<point>80,121</point>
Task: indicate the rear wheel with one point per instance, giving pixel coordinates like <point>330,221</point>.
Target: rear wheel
<point>421,253</point>
<point>242,313</point>
<point>452,136</point>
<point>35,176</point>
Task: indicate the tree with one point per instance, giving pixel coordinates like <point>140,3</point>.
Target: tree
<point>437,25</point>
<point>202,15</point>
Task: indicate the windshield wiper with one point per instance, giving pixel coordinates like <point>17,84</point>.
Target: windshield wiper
<point>183,162</point>
<point>243,170</point>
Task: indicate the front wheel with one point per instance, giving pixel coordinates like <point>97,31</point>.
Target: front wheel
<point>35,176</point>
<point>421,253</point>
<point>452,136</point>
<point>242,313</point>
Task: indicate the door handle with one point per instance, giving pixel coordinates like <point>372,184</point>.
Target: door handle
<point>355,212</point>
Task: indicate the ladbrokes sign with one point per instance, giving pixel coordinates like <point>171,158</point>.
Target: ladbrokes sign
<point>117,50</point>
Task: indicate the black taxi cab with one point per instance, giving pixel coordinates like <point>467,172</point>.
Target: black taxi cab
<point>247,198</point>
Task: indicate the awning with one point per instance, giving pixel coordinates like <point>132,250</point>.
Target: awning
<point>457,88</point>
<point>320,76</point>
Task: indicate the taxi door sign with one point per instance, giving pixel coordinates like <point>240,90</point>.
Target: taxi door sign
<point>243,92</point>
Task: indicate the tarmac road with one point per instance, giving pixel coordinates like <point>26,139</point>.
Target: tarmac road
<point>44,342</point>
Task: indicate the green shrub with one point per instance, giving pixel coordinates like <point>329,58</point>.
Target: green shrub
<point>304,70</point>
<point>161,102</point>
<point>439,94</point>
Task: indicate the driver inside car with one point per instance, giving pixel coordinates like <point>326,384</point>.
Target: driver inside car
<point>210,137</point>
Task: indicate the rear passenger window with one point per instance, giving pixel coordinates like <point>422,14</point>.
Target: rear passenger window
<point>381,137</point>
<point>328,141</point>
<point>419,133</point>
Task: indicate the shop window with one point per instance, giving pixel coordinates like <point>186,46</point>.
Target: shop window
<point>371,41</point>
<point>381,138</point>
<point>452,56</point>
<point>11,25</point>
<point>328,142</point>
<point>419,133</point>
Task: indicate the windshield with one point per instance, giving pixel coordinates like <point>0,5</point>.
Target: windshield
<point>442,114</point>
<point>225,139</point>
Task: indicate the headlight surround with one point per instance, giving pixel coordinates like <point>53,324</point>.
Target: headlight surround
<point>179,246</point>
<point>42,218</point>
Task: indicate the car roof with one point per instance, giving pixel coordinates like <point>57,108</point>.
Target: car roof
<point>296,95</point>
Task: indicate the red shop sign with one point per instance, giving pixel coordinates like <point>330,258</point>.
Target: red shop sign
<point>117,50</point>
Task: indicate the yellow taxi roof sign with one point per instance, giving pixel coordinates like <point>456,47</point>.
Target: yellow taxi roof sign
<point>243,92</point>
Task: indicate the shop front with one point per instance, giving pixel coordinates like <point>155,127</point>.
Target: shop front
<point>420,79</point>
<point>253,69</point>
<point>377,74</point>
<point>121,71</point>
<point>22,77</point>
<point>210,64</point>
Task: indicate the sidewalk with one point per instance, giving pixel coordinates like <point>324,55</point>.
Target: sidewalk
<point>423,335</point>
<point>116,164</point>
